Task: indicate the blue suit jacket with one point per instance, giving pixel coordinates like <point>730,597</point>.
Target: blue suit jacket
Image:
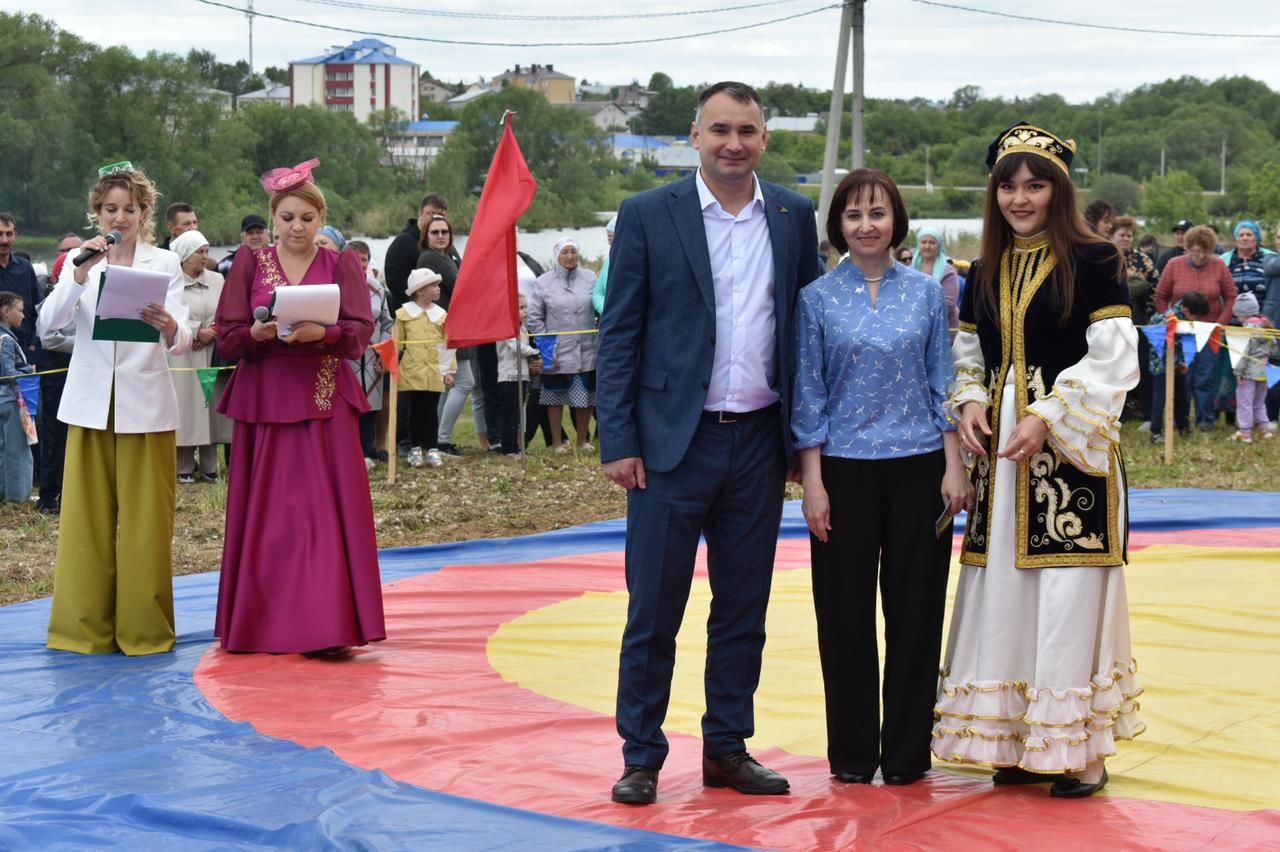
<point>657,334</point>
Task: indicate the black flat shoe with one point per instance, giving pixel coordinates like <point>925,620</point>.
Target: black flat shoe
<point>1018,775</point>
<point>853,777</point>
<point>743,773</point>
<point>902,779</point>
<point>1074,788</point>
<point>637,786</point>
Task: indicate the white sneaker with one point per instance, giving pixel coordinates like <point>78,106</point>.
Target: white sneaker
<point>415,457</point>
<point>1145,427</point>
<point>369,463</point>
<point>434,458</point>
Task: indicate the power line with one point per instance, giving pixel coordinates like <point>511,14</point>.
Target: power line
<point>1089,26</point>
<point>463,42</point>
<point>497,16</point>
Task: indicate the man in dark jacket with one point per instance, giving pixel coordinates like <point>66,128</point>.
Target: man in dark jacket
<point>1179,232</point>
<point>402,254</point>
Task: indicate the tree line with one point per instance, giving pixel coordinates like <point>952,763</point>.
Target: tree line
<point>67,106</point>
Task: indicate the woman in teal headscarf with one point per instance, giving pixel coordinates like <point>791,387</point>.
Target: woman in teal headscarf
<point>931,259</point>
<point>597,295</point>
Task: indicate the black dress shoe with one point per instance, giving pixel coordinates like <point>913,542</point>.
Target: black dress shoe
<point>1074,788</point>
<point>902,779</point>
<point>741,772</point>
<point>853,777</point>
<point>637,786</point>
<point>1018,775</point>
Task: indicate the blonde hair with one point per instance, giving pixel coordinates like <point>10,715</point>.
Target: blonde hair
<point>308,192</point>
<point>1201,236</point>
<point>140,189</point>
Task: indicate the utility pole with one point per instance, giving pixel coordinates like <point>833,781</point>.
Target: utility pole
<point>835,114</point>
<point>1099,170</point>
<point>859,60</point>
<point>852,24</point>
<point>1161,162</point>
<point>248,13</point>
<point>1223,186</point>
<point>928,172</point>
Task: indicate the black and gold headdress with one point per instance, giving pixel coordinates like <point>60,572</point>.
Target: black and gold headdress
<point>1025,138</point>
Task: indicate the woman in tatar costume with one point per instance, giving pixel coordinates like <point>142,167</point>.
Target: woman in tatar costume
<point>1039,679</point>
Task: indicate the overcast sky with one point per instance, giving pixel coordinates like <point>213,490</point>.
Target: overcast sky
<point>913,49</point>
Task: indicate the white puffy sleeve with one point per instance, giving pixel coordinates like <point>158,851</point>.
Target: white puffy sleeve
<point>971,372</point>
<point>1083,409</point>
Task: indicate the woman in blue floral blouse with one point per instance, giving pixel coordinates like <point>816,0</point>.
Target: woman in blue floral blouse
<point>882,477</point>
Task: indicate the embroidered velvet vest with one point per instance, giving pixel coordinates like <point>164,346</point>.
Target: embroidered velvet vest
<point>1065,516</point>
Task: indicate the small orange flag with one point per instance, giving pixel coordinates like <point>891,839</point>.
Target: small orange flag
<point>1215,340</point>
<point>390,357</point>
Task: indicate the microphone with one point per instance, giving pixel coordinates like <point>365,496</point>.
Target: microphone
<point>89,254</point>
<point>262,313</point>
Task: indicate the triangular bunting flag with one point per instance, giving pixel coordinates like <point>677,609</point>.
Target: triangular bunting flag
<point>390,356</point>
<point>1273,375</point>
<point>1155,336</point>
<point>546,344</point>
<point>208,376</point>
<point>1237,342</point>
<point>1203,331</point>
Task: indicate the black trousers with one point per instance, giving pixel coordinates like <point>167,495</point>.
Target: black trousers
<point>487,378</point>
<point>535,415</point>
<point>424,418</point>
<point>507,396</point>
<point>882,527</point>
<point>368,424</point>
<point>53,440</point>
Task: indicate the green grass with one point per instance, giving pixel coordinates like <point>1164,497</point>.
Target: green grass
<point>483,495</point>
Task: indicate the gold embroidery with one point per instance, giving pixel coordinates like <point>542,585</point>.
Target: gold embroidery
<point>1035,384</point>
<point>970,327</point>
<point>1111,312</point>
<point>1057,522</point>
<point>271,274</point>
<point>326,382</point>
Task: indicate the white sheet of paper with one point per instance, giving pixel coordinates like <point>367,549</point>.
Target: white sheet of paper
<point>127,290</point>
<point>306,303</point>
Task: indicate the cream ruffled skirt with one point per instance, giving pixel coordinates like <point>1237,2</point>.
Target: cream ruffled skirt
<point>1039,671</point>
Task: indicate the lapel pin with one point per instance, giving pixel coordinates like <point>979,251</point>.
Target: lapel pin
<point>783,210</point>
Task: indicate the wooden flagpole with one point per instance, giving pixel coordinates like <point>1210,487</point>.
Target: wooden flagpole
<point>392,395</point>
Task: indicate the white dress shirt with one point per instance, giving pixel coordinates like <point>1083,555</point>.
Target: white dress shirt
<point>743,367</point>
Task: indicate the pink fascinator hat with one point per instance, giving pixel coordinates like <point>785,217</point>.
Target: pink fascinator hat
<point>283,180</point>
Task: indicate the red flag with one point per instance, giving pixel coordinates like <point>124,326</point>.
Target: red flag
<point>484,307</point>
<point>390,356</point>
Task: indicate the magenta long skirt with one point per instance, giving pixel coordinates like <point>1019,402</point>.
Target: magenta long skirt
<point>300,559</point>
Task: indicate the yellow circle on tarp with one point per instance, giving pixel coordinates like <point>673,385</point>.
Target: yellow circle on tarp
<point>1205,635</point>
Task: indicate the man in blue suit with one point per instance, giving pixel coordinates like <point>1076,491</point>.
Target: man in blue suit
<point>693,393</point>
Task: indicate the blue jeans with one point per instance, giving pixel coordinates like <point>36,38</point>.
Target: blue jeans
<point>1202,381</point>
<point>15,455</point>
<point>1181,410</point>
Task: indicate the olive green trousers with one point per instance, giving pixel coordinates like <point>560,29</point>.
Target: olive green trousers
<point>113,582</point>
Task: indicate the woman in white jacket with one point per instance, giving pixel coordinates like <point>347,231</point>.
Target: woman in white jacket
<point>113,583</point>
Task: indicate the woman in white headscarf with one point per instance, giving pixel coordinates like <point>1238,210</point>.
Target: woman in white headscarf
<point>561,302</point>
<point>200,426</point>
<point>931,259</point>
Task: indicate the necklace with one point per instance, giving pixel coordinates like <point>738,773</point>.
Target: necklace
<point>873,280</point>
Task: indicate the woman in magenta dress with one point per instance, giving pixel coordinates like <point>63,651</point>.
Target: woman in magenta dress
<point>300,559</point>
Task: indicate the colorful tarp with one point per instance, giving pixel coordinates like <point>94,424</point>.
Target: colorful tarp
<point>496,686</point>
